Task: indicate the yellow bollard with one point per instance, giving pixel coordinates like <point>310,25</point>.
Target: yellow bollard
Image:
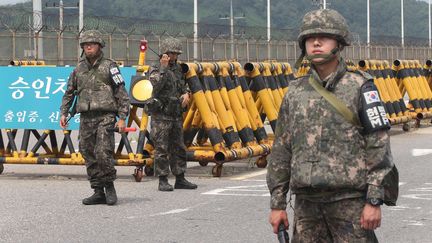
<point>244,128</point>
<point>403,75</point>
<point>209,121</point>
<point>280,74</point>
<point>259,131</point>
<point>264,96</point>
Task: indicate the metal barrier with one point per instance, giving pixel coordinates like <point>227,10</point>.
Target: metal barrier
<point>384,79</point>
<point>412,81</point>
<point>229,107</point>
<point>226,119</point>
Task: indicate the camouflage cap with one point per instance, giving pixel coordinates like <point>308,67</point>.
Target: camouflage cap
<point>92,36</point>
<point>171,45</point>
<point>325,22</point>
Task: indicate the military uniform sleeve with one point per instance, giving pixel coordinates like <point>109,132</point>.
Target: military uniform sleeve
<point>69,94</point>
<point>379,162</point>
<point>158,78</point>
<point>123,101</point>
<point>185,86</point>
<point>279,161</point>
<point>121,96</point>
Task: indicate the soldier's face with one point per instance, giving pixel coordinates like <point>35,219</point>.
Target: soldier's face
<point>91,49</point>
<point>316,45</point>
<point>173,56</point>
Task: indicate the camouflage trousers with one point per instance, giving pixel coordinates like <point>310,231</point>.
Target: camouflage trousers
<point>96,145</point>
<point>330,222</point>
<point>169,148</point>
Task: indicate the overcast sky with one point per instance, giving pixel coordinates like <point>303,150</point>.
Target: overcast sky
<point>4,2</point>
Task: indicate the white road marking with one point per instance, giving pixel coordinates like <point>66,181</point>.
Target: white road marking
<point>422,189</point>
<point>174,211</point>
<point>420,152</point>
<point>250,175</point>
<point>419,196</point>
<point>402,207</point>
<point>250,186</point>
<point>248,191</point>
<point>413,222</point>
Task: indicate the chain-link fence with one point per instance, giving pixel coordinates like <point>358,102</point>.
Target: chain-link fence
<point>20,39</point>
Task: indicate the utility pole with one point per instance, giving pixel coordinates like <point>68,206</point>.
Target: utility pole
<point>61,8</point>
<point>268,31</point>
<point>37,26</point>
<point>231,18</point>
<point>430,35</point>
<point>402,24</point>
<point>81,16</point>
<point>195,45</point>
<point>322,4</point>
<point>368,29</point>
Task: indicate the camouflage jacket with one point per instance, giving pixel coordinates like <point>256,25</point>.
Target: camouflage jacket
<point>95,89</point>
<point>168,86</point>
<point>319,155</point>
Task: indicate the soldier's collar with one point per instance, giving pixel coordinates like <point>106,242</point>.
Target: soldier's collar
<point>97,62</point>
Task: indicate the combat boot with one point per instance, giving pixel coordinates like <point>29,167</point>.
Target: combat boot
<point>97,198</point>
<point>111,195</point>
<point>182,183</point>
<point>164,185</point>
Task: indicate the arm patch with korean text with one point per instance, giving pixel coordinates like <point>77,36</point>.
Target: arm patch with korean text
<point>116,76</point>
<point>372,113</point>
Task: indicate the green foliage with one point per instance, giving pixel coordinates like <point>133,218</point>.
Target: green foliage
<point>286,14</point>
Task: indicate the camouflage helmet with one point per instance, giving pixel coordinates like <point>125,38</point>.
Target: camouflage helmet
<point>171,45</point>
<point>92,36</point>
<point>324,22</point>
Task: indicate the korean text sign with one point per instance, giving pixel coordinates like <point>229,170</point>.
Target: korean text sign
<point>31,96</point>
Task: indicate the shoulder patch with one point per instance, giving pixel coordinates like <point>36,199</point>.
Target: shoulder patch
<point>364,74</point>
<point>116,75</point>
<point>372,113</point>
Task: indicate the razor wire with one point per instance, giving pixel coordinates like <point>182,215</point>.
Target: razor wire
<point>20,20</point>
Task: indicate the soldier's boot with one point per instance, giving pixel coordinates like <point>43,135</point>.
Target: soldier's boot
<point>111,195</point>
<point>164,185</point>
<point>97,198</point>
<point>182,183</point>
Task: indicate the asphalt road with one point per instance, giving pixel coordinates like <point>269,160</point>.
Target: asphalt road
<point>42,203</point>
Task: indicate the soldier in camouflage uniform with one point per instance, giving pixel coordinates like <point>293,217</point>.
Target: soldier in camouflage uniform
<point>170,90</point>
<point>101,96</point>
<point>334,167</point>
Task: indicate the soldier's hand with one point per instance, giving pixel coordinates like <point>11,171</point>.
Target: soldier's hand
<point>164,60</point>
<point>277,217</point>
<point>371,217</point>
<point>63,122</point>
<point>185,98</point>
<point>121,125</point>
